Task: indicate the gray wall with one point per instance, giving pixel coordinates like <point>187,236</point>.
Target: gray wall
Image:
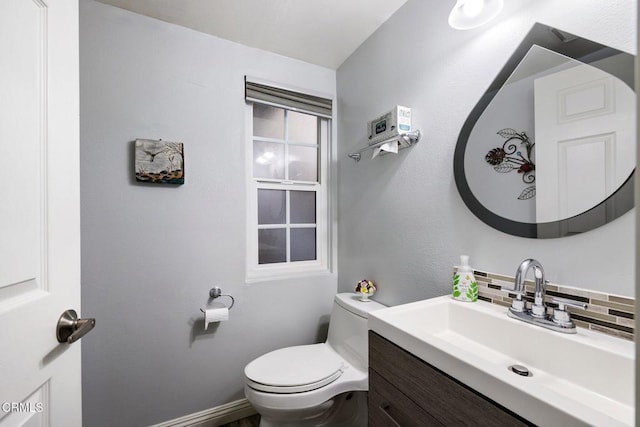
<point>402,222</point>
<point>150,254</point>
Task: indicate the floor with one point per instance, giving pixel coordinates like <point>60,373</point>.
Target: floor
<point>251,421</point>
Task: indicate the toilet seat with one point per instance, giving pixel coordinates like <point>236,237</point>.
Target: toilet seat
<point>294,369</point>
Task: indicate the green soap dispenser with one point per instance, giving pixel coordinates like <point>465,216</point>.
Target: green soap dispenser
<point>465,287</point>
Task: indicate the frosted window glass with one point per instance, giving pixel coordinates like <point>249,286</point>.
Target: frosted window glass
<point>272,246</point>
<point>303,244</point>
<point>303,163</point>
<point>268,160</point>
<point>268,122</point>
<point>303,128</point>
<point>303,207</point>
<point>271,207</point>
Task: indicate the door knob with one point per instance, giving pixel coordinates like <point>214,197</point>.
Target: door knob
<point>70,329</point>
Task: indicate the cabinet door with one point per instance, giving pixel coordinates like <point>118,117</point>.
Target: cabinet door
<point>389,407</point>
<point>442,397</point>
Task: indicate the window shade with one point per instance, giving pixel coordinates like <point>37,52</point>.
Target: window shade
<point>302,102</point>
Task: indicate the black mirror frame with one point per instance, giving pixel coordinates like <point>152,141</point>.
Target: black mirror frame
<point>580,49</point>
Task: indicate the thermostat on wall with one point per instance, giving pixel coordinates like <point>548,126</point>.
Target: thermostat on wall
<point>390,124</point>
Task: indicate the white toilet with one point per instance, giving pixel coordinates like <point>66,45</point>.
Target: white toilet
<point>318,384</point>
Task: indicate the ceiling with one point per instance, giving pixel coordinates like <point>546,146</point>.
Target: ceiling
<point>323,32</point>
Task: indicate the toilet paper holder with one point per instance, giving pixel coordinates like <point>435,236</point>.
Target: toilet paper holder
<point>216,292</point>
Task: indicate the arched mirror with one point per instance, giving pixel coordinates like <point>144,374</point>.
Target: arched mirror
<point>549,150</point>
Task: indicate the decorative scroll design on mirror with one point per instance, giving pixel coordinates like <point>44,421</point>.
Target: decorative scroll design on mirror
<point>571,182</point>
<point>510,157</point>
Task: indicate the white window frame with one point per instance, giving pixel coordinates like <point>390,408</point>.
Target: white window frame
<point>266,272</point>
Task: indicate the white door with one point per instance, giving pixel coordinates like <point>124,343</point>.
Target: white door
<point>585,140</point>
<point>39,211</point>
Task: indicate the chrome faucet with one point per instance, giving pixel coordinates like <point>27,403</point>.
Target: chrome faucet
<point>537,315</point>
<point>538,308</point>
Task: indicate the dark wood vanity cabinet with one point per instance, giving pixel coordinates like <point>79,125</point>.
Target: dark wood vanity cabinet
<point>406,391</point>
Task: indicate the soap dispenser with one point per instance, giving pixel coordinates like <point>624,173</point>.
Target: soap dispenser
<point>465,287</point>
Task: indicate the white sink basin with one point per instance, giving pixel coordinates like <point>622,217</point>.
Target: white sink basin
<point>579,379</point>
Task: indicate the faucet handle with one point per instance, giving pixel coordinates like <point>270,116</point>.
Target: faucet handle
<point>518,292</point>
<point>560,315</point>
<point>566,302</point>
<point>517,304</point>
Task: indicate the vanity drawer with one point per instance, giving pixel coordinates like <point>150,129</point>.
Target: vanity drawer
<point>442,397</point>
<point>389,407</point>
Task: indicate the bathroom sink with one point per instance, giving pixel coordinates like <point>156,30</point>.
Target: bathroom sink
<point>577,379</point>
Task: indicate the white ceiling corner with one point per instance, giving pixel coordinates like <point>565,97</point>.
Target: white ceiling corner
<point>322,32</point>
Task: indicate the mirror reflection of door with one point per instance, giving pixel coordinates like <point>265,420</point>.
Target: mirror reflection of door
<point>584,126</point>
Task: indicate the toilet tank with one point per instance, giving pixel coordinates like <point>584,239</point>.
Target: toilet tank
<point>348,328</point>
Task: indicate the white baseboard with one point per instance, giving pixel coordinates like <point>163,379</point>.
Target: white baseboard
<point>213,417</point>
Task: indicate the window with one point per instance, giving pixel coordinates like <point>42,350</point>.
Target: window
<point>287,189</point>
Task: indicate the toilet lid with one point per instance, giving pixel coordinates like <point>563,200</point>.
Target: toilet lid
<point>294,369</point>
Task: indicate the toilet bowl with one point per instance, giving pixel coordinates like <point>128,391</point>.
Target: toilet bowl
<point>319,384</point>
